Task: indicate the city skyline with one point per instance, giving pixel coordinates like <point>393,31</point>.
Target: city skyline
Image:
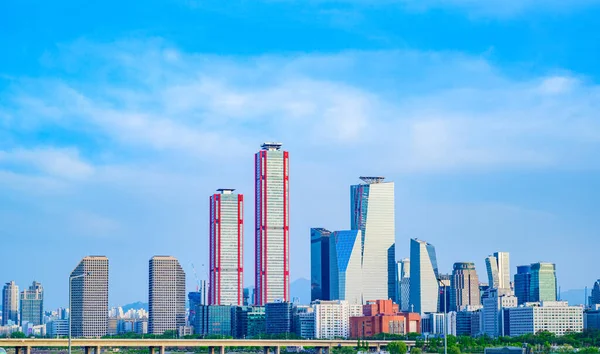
<point>114,133</point>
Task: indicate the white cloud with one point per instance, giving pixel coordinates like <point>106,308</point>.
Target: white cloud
<point>64,163</point>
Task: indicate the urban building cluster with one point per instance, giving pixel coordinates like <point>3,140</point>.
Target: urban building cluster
<point>358,289</point>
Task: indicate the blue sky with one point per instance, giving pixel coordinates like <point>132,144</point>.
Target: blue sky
<point>118,120</point>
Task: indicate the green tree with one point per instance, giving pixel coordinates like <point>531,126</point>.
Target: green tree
<point>18,335</point>
<point>415,350</point>
<point>453,349</point>
<point>397,348</point>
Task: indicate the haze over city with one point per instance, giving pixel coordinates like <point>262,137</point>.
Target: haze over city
<point>117,126</point>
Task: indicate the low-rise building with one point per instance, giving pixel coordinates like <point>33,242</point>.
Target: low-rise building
<point>591,318</point>
<point>304,322</point>
<point>383,316</point>
<point>432,324</point>
<point>249,321</point>
<point>57,328</point>
<point>549,316</point>
<point>279,317</point>
<point>332,318</point>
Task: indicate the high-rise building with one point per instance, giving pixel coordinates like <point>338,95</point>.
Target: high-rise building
<point>10,303</point>
<point>194,300</point>
<point>556,317</point>
<point>494,315</point>
<point>346,273</point>
<point>464,286</point>
<point>444,293</point>
<point>498,268</point>
<point>166,299</point>
<point>424,287</point>
<point>32,305</point>
<point>372,212</point>
<point>89,298</point>
<point>404,285</point>
<point>319,264</point>
<point>522,283</point>
<point>226,245</point>
<point>272,224</point>
<point>595,297</point>
<point>543,285</point>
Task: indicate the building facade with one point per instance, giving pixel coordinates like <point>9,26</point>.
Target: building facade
<point>32,305</point>
<point>403,290</point>
<point>249,322</point>
<point>226,247</point>
<point>346,273</point>
<point>522,283</point>
<point>332,318</point>
<point>215,320</point>
<point>424,287</point>
<point>464,286</point>
<point>10,304</point>
<point>304,322</point>
<point>272,224</point>
<point>279,317</point>
<point>372,212</point>
<point>89,298</point>
<point>595,296</point>
<point>494,320</point>
<point>556,317</point>
<point>543,284</point>
<point>319,264</point>
<point>498,269</point>
<point>166,295</point>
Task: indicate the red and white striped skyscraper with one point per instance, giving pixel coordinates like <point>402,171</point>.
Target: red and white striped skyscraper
<point>226,279</point>
<point>272,267</point>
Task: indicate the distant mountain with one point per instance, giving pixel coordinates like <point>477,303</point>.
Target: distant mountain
<point>574,297</point>
<point>300,288</point>
<point>136,306</point>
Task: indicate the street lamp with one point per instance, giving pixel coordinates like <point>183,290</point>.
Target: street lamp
<point>70,310</point>
<point>445,320</point>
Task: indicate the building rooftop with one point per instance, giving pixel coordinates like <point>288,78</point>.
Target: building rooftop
<point>271,146</point>
<point>225,190</point>
<point>372,180</point>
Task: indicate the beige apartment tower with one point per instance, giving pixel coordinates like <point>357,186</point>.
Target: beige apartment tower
<point>166,295</point>
<point>89,298</point>
<point>464,286</point>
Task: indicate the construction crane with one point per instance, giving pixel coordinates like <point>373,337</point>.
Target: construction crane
<point>196,276</point>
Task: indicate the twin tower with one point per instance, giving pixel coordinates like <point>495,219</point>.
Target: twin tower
<point>271,227</point>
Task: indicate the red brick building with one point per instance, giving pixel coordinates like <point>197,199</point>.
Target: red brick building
<point>383,316</point>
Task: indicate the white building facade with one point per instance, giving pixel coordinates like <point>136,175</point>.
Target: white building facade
<point>550,316</point>
<point>372,212</point>
<point>498,268</point>
<point>272,225</point>
<point>226,247</point>
<point>346,273</point>
<point>332,318</point>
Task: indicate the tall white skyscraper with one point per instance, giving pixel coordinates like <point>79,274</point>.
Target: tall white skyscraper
<point>166,295</point>
<point>424,287</point>
<point>10,303</point>
<point>346,273</point>
<point>89,298</point>
<point>372,212</point>
<point>272,267</point>
<point>226,245</point>
<point>498,268</point>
